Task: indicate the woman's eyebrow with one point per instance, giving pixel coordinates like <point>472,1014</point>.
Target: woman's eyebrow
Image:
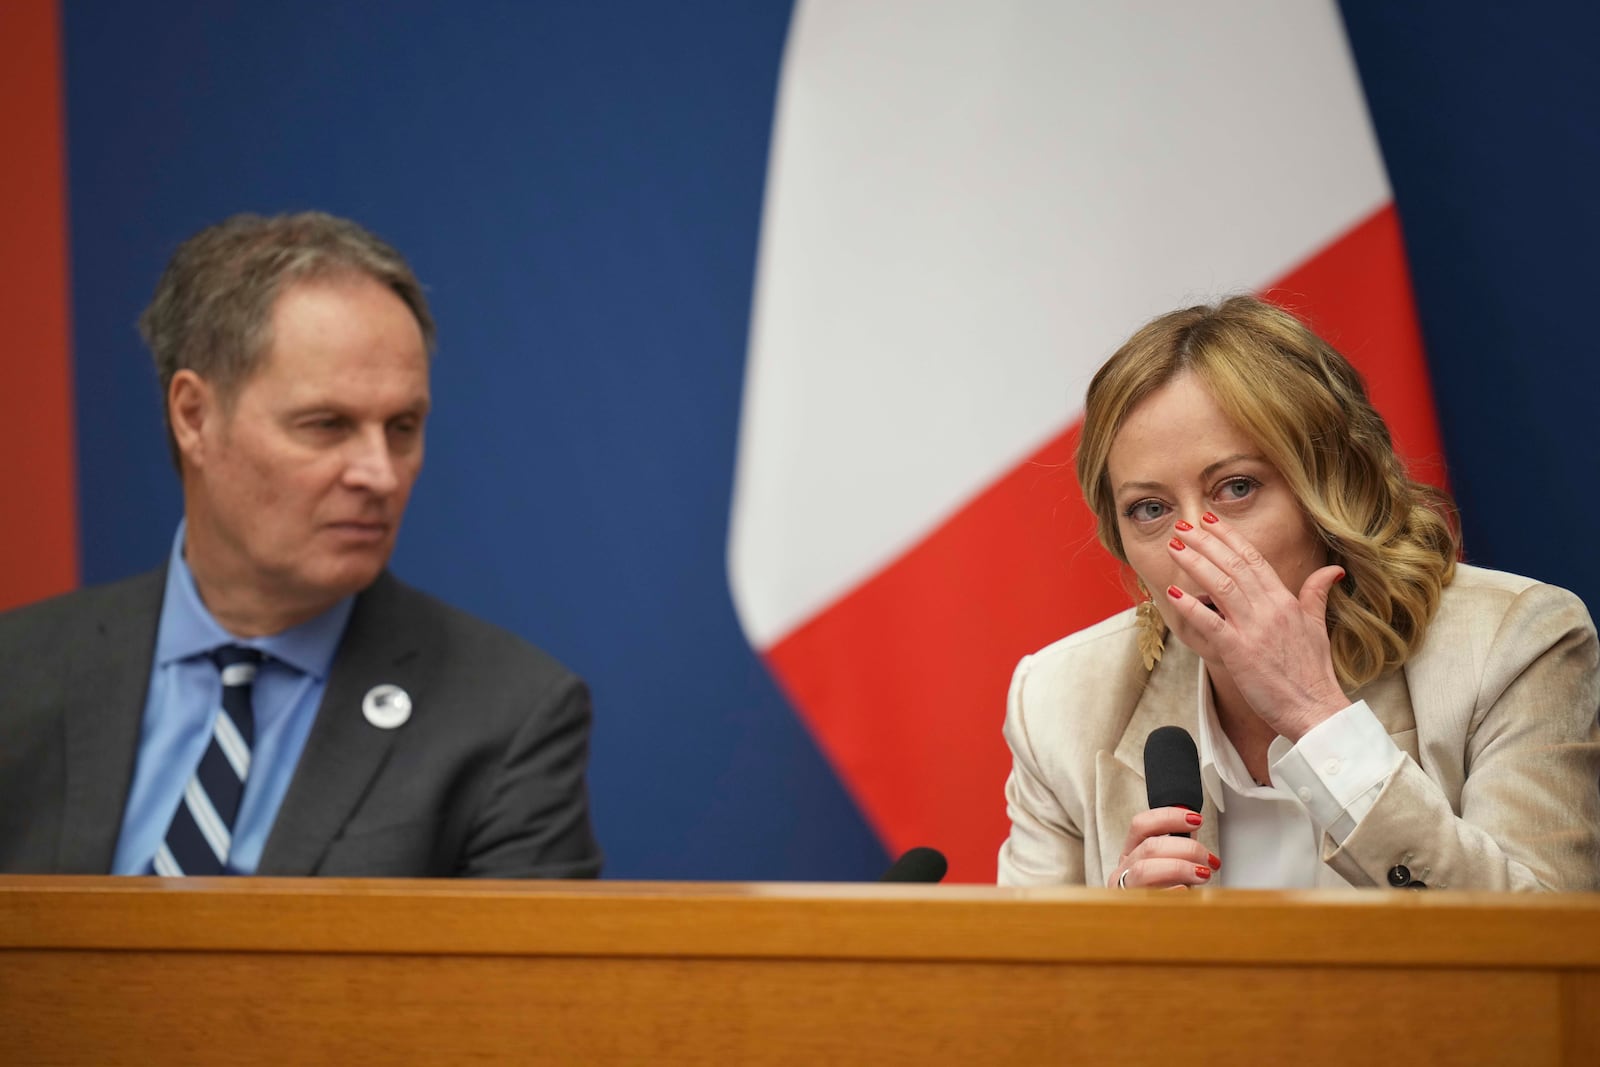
<point>1235,458</point>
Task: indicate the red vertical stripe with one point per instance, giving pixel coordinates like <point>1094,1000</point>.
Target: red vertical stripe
<point>903,680</point>
<point>38,494</point>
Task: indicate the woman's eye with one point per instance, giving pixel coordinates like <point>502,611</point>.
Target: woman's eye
<point>1236,488</point>
<point>1146,511</point>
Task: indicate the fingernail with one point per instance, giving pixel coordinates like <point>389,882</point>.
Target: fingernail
<point>1202,872</point>
<point>1341,576</point>
<point>1181,525</point>
<point>1174,592</point>
<point>1193,818</point>
<point>1177,545</point>
<point>1208,517</point>
<point>1211,858</point>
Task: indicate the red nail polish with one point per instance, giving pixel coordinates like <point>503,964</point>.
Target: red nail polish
<point>1211,858</point>
<point>1181,525</point>
<point>1176,545</point>
<point>1174,592</point>
<point>1341,576</point>
<point>1202,872</point>
<point>1193,818</point>
<point>1208,517</point>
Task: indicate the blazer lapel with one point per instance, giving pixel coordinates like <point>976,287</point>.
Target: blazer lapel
<point>104,691</point>
<point>1171,698</point>
<point>344,752</point>
<point>1389,697</point>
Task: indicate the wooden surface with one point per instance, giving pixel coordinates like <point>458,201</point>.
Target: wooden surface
<point>306,971</point>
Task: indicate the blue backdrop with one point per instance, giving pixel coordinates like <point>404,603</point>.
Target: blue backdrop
<point>580,187</point>
<point>1487,118</point>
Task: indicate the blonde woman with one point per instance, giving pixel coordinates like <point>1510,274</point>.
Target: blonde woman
<point>1368,711</point>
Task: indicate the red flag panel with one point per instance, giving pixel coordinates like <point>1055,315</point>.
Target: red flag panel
<point>38,496</point>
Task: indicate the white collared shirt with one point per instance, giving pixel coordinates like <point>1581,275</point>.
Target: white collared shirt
<point>1270,835</point>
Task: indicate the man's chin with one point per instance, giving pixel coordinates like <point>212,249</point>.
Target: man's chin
<point>347,575</point>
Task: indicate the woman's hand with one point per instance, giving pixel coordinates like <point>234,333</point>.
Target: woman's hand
<point>1152,859</point>
<point>1273,644</point>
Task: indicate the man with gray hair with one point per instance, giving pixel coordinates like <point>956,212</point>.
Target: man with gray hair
<point>272,700</point>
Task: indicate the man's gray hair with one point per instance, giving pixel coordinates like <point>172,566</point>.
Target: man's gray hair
<point>212,310</point>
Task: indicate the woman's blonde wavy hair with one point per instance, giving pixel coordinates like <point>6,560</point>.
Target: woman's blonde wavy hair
<point>1307,409</point>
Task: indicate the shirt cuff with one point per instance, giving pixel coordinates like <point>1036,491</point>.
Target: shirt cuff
<point>1338,768</point>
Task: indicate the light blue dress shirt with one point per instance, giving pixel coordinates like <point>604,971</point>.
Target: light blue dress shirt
<point>186,694</point>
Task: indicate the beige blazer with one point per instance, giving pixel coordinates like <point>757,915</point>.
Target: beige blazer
<point>1496,713</point>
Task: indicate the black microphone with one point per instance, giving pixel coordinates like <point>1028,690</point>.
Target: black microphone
<point>1172,770</point>
<point>917,865</point>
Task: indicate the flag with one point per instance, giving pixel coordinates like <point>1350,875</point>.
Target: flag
<point>968,208</point>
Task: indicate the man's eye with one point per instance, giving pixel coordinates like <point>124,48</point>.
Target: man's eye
<point>323,424</point>
<point>1146,511</point>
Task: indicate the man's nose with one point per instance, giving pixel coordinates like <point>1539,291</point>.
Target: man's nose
<point>371,465</point>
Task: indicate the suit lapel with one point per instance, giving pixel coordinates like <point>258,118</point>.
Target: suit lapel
<point>107,680</point>
<point>1170,698</point>
<point>1389,697</point>
<point>344,752</point>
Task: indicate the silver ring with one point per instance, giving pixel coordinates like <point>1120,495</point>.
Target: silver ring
<point>1122,879</point>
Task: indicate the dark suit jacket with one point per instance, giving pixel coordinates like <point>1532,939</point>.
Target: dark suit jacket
<point>485,779</point>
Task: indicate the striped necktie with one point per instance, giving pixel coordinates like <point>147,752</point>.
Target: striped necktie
<point>201,834</point>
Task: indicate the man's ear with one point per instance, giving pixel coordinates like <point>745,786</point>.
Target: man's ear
<point>191,404</point>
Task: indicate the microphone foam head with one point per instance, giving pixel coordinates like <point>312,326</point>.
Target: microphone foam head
<point>1172,769</point>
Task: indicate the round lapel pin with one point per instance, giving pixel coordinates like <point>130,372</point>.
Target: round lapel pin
<point>386,706</point>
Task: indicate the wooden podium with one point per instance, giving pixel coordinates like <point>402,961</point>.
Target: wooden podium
<point>262,971</point>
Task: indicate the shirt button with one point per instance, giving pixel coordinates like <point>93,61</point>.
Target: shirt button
<point>1331,767</point>
<point>1304,794</point>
